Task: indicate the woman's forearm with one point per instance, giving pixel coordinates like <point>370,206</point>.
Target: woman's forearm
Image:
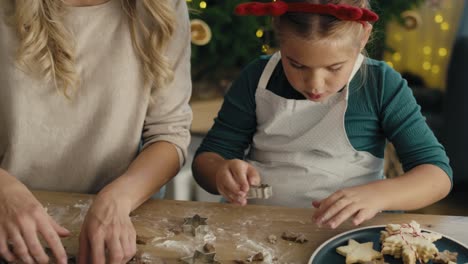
<point>151,170</point>
<point>6,178</point>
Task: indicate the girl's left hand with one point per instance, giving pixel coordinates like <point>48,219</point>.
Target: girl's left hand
<point>360,202</point>
<point>107,234</point>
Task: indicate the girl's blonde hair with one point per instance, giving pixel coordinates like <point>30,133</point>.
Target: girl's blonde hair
<point>324,28</point>
<point>319,27</point>
<point>45,48</point>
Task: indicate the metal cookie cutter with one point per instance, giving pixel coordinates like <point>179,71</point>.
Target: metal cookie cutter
<point>195,225</point>
<point>262,191</point>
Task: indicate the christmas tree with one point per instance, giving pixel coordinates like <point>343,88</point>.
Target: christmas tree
<point>388,10</point>
<point>235,40</point>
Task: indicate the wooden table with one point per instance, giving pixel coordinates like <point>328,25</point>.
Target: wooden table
<point>236,232</point>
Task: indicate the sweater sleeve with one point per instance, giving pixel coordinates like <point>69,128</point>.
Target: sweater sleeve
<point>405,126</point>
<point>235,125</point>
<point>169,114</point>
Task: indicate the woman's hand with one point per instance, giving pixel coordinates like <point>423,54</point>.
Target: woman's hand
<point>233,180</point>
<point>360,203</point>
<point>107,234</point>
<point>22,219</point>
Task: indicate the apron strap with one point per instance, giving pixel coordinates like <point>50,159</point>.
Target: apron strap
<point>268,71</point>
<point>357,66</point>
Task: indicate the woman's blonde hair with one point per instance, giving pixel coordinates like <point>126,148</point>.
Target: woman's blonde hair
<point>45,48</point>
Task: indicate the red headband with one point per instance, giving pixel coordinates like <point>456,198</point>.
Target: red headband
<point>278,8</point>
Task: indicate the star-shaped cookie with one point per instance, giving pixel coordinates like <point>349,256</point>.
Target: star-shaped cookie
<point>356,252</point>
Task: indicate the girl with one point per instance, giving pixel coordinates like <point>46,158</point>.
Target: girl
<point>82,83</point>
<point>315,118</point>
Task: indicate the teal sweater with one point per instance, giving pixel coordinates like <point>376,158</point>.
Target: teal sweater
<point>383,107</point>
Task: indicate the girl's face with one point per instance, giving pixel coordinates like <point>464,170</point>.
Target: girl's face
<point>318,69</point>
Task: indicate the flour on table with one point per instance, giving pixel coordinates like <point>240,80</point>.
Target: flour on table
<point>84,207</point>
<point>186,245</point>
<point>58,213</point>
<point>253,247</point>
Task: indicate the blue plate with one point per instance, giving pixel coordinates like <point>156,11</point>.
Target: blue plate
<point>326,253</point>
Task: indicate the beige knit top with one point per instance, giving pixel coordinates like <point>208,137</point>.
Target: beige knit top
<point>80,145</point>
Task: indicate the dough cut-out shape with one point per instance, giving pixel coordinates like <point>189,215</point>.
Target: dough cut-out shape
<point>142,240</point>
<point>356,252</point>
<point>272,239</point>
<point>294,237</point>
<point>208,248</point>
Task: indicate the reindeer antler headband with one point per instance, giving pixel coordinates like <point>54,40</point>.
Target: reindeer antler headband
<point>278,8</point>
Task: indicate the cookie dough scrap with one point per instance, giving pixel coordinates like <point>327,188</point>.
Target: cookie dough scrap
<point>356,252</point>
<point>143,240</point>
<point>258,257</point>
<point>209,248</point>
<point>294,237</point>
<point>272,239</point>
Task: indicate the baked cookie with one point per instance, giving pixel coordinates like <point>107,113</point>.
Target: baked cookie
<point>376,261</point>
<point>356,252</point>
<point>408,242</point>
<point>445,257</point>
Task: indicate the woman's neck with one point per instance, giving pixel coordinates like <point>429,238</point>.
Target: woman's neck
<point>85,2</point>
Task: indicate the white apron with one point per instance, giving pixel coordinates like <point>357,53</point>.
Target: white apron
<point>301,147</point>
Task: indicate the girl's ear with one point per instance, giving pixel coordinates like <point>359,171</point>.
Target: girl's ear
<point>366,35</point>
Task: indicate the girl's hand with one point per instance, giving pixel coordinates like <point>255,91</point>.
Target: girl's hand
<point>234,178</point>
<point>360,203</point>
<point>107,234</point>
<point>22,219</point>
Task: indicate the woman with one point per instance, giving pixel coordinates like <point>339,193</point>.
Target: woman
<point>82,83</point>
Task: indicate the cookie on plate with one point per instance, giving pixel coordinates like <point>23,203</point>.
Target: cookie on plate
<point>356,252</point>
<point>408,242</point>
<point>445,257</point>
